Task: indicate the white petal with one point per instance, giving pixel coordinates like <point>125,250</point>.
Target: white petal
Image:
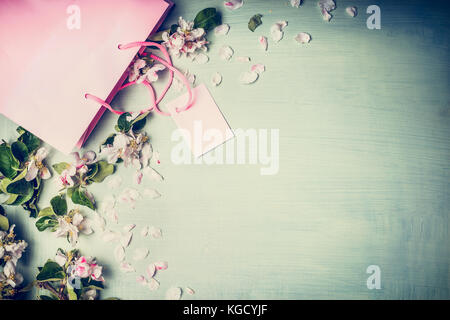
<point>45,173</point>
<point>144,231</point>
<point>138,177</point>
<point>109,236</point>
<point>151,269</point>
<point>263,42</point>
<point>152,193</point>
<point>114,182</point>
<point>189,291</point>
<point>126,267</point>
<point>41,154</point>
<point>276,32</point>
<point>156,233</point>
<point>233,4</point>
<point>216,79</point>
<point>303,38</point>
<point>326,16</point>
<point>173,294</point>
<point>282,24</point>
<point>161,265</point>
<point>201,58</point>
<point>119,253</point>
<point>248,77</point>
<point>226,52</point>
<point>99,221</point>
<point>141,280</point>
<point>243,59</point>
<point>352,11</point>
<point>129,227</point>
<point>153,284</point>
<point>296,3</point>
<point>327,5</point>
<point>125,239</point>
<point>222,29</point>
<point>153,174</point>
<point>258,68</point>
<point>140,254</point>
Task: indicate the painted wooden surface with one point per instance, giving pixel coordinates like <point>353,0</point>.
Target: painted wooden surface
<point>364,122</point>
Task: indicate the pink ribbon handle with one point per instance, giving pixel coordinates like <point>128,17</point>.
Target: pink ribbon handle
<point>168,64</point>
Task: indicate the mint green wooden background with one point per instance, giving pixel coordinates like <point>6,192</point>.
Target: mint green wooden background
<point>364,123</point>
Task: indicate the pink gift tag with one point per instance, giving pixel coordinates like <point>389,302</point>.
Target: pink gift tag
<point>203,126</point>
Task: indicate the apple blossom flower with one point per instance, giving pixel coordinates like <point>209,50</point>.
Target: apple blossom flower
<point>71,224</point>
<point>36,166</point>
<point>186,41</point>
<point>141,71</point>
<point>87,267</point>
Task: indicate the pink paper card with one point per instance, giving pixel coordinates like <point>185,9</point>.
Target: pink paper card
<point>203,126</point>
<point>54,52</point>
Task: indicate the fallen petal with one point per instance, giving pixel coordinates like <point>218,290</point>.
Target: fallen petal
<point>263,42</point>
<point>161,265</point>
<point>226,52</point>
<point>243,59</point>
<point>144,231</point>
<point>233,4</point>
<point>189,291</point>
<point>125,239</point>
<point>109,236</point>
<point>114,182</point>
<point>138,177</point>
<point>352,11</point>
<point>201,58</point>
<point>222,29</point>
<point>126,267</point>
<point>154,175</point>
<point>151,269</point>
<point>303,38</point>
<point>140,254</point>
<point>153,284</point>
<point>296,3</point>
<point>119,253</point>
<point>141,280</point>
<point>156,233</point>
<point>173,294</point>
<point>258,68</point>
<point>248,77</point>
<point>216,79</point>
<point>129,227</point>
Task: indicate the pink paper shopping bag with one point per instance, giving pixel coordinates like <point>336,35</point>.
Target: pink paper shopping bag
<point>53,52</point>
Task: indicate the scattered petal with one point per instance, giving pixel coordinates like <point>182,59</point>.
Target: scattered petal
<point>258,68</point>
<point>129,227</point>
<point>152,193</point>
<point>151,269</point>
<point>114,182</point>
<point>109,236</point>
<point>216,79</point>
<point>222,29</point>
<point>156,233</point>
<point>189,291</point>
<point>200,58</point>
<point>154,175</point>
<point>296,3</point>
<point>248,77</point>
<point>126,267</point>
<point>141,280</point>
<point>263,42</point>
<point>226,52</point>
<point>326,6</point>
<point>303,38</point>
<point>352,11</point>
<point>140,254</point>
<point>233,4</point>
<point>138,177</point>
<point>243,59</point>
<point>119,253</point>
<point>153,284</point>
<point>125,239</point>
<point>161,265</point>
<point>144,231</point>
<point>173,294</point>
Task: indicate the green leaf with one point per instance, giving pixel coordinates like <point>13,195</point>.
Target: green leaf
<point>255,22</point>
<point>19,151</point>
<point>46,212</point>
<point>20,187</point>
<point>79,197</point>
<point>29,139</point>
<point>207,19</point>
<point>92,170</point>
<point>8,164</point>
<point>105,169</point>
<point>51,272</point>
<point>59,205</point>
<point>123,124</point>
<point>4,223</point>
<point>45,297</point>
<point>140,121</point>
<point>60,167</point>
<point>109,140</point>
<point>46,222</point>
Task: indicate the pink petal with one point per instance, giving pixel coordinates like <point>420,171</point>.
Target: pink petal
<point>161,265</point>
<point>233,4</point>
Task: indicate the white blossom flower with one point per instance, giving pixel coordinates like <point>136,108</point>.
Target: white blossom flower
<point>85,267</point>
<point>141,71</point>
<point>36,166</point>
<point>70,225</point>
